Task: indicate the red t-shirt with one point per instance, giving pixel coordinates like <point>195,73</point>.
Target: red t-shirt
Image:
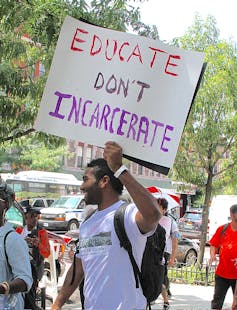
<point>227,241</point>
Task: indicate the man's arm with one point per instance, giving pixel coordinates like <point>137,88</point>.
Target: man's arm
<point>14,286</point>
<point>175,235</point>
<point>234,303</point>
<point>174,251</point>
<point>149,214</point>
<point>213,251</point>
<point>68,288</point>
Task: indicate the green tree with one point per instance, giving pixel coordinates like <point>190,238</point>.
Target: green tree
<point>210,132</point>
<point>41,157</point>
<point>40,21</point>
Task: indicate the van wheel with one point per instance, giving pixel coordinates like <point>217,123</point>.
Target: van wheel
<point>73,224</point>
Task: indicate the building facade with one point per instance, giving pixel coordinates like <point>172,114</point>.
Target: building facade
<point>81,154</point>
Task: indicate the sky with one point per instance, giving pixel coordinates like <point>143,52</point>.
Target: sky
<point>173,17</point>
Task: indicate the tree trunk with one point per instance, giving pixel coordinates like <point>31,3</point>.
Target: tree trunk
<point>205,216</point>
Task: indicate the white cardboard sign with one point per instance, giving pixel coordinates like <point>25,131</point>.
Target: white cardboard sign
<point>110,85</point>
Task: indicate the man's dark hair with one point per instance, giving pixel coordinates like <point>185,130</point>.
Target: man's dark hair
<point>233,209</point>
<point>101,169</point>
<point>163,203</point>
<point>6,193</point>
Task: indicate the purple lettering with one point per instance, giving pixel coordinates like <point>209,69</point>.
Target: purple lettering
<point>100,75</point>
<point>75,108</point>
<point>105,114</point>
<point>112,80</point>
<point>122,121</point>
<point>84,111</point>
<point>61,96</point>
<point>167,127</point>
<point>112,119</point>
<point>143,85</point>
<point>157,124</point>
<point>133,122</point>
<point>95,116</point>
<point>125,88</point>
<point>145,131</point>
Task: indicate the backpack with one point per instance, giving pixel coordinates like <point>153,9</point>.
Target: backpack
<point>29,297</point>
<point>151,275</point>
<point>221,234</point>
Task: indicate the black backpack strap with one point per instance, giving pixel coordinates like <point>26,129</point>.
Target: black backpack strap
<point>124,241</point>
<point>5,250</point>
<point>224,229</point>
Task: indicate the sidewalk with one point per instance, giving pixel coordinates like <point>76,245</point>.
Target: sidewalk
<point>188,297</point>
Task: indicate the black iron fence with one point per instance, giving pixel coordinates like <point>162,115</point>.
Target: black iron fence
<point>192,274</point>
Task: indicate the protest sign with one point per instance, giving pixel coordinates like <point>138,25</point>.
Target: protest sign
<point>110,85</point>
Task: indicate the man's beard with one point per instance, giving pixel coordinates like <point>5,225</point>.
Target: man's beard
<point>93,196</point>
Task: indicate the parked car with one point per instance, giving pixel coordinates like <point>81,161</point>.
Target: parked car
<point>38,203</point>
<point>190,225</point>
<point>65,213</point>
<point>15,216</point>
<point>186,254</point>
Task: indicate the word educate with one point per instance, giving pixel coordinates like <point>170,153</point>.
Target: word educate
<point>103,117</point>
<point>124,51</point>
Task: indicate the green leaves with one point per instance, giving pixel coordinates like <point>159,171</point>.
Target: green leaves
<point>29,30</point>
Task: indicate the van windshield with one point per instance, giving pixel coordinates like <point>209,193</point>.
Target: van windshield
<point>67,202</point>
<point>193,216</point>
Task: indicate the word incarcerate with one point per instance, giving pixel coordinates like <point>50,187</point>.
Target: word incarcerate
<point>86,113</point>
<point>110,85</point>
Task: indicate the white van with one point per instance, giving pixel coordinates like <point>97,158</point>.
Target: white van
<point>65,213</point>
<point>219,213</point>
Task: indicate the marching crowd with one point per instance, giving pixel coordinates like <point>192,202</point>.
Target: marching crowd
<point>100,262</point>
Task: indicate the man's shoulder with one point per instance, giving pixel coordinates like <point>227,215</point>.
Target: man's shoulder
<point>222,228</point>
<point>165,220</point>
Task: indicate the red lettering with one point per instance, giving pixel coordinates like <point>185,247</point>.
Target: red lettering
<point>171,64</point>
<point>155,53</point>
<point>76,40</point>
<point>138,54</point>
<point>111,48</point>
<point>114,49</point>
<point>120,50</point>
<point>95,38</point>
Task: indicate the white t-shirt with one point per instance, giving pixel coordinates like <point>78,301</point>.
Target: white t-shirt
<point>109,278</point>
<point>171,228</point>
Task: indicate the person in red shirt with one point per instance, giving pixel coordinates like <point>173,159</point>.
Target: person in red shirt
<point>225,241</point>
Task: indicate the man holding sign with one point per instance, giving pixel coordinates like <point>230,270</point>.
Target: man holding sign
<point>105,266</point>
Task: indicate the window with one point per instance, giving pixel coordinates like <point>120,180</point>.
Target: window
<point>79,156</point>
<point>88,154</point>
<point>140,169</point>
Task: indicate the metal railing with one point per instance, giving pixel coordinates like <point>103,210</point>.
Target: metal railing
<point>192,274</point>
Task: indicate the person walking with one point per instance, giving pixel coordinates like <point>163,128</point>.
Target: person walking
<point>104,265</point>
<point>224,242</point>
<point>172,236</point>
<point>37,239</point>
<point>234,303</point>
<point>15,270</point>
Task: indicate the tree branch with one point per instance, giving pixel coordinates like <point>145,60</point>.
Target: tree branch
<point>18,135</point>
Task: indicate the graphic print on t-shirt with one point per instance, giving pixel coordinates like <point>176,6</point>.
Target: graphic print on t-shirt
<point>96,244</point>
